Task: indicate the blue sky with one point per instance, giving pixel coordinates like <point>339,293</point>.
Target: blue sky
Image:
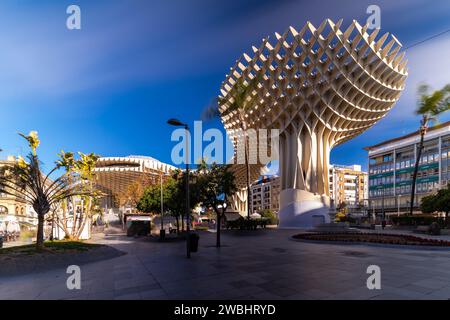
<point>111,86</point>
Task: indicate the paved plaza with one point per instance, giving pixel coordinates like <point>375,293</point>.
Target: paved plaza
<point>264,264</point>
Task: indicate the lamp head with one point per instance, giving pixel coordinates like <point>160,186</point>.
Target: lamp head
<point>176,122</point>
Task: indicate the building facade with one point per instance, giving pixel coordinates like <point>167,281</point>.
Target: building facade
<point>15,208</point>
<point>265,194</point>
<point>391,167</point>
<point>349,186</point>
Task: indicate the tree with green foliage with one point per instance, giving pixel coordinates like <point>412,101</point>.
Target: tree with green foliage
<point>439,202</point>
<point>174,193</point>
<point>430,106</point>
<point>150,201</point>
<point>427,204</point>
<point>215,184</point>
<point>270,215</point>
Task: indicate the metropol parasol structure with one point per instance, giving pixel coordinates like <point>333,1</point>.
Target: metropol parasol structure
<point>320,87</point>
<point>114,175</point>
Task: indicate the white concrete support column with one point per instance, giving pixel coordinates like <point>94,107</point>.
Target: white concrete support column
<point>304,197</point>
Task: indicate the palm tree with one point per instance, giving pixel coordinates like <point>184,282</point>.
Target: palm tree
<point>242,101</point>
<point>430,106</point>
<point>85,168</point>
<point>81,173</point>
<point>25,179</point>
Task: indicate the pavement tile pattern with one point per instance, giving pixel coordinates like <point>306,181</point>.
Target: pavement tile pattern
<point>265,264</point>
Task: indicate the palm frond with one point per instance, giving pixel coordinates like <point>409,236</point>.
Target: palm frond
<point>434,104</point>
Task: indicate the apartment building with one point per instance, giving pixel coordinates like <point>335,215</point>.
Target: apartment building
<point>265,194</point>
<point>14,207</point>
<point>391,167</point>
<point>349,186</point>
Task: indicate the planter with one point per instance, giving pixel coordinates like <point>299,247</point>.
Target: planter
<point>379,238</point>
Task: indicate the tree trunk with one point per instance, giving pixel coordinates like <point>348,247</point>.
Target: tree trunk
<point>218,228</point>
<point>62,226</point>
<point>65,218</point>
<point>178,224</point>
<point>40,232</point>
<point>74,221</point>
<point>247,166</point>
<point>82,225</point>
<point>416,170</point>
<point>84,219</point>
<point>182,222</point>
<point>249,193</point>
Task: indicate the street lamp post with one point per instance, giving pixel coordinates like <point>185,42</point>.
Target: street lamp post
<point>177,123</point>
<point>383,214</point>
<point>162,232</point>
<point>6,230</point>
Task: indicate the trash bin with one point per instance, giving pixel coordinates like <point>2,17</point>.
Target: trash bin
<point>193,242</point>
<point>1,241</point>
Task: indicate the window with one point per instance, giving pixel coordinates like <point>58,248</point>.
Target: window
<point>3,210</point>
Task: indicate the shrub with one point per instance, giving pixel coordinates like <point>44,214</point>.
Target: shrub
<point>27,234</point>
<point>201,228</point>
<point>247,224</point>
<point>419,220</point>
<point>339,217</point>
<point>435,229</point>
<point>342,217</point>
<point>270,216</point>
<point>399,239</point>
